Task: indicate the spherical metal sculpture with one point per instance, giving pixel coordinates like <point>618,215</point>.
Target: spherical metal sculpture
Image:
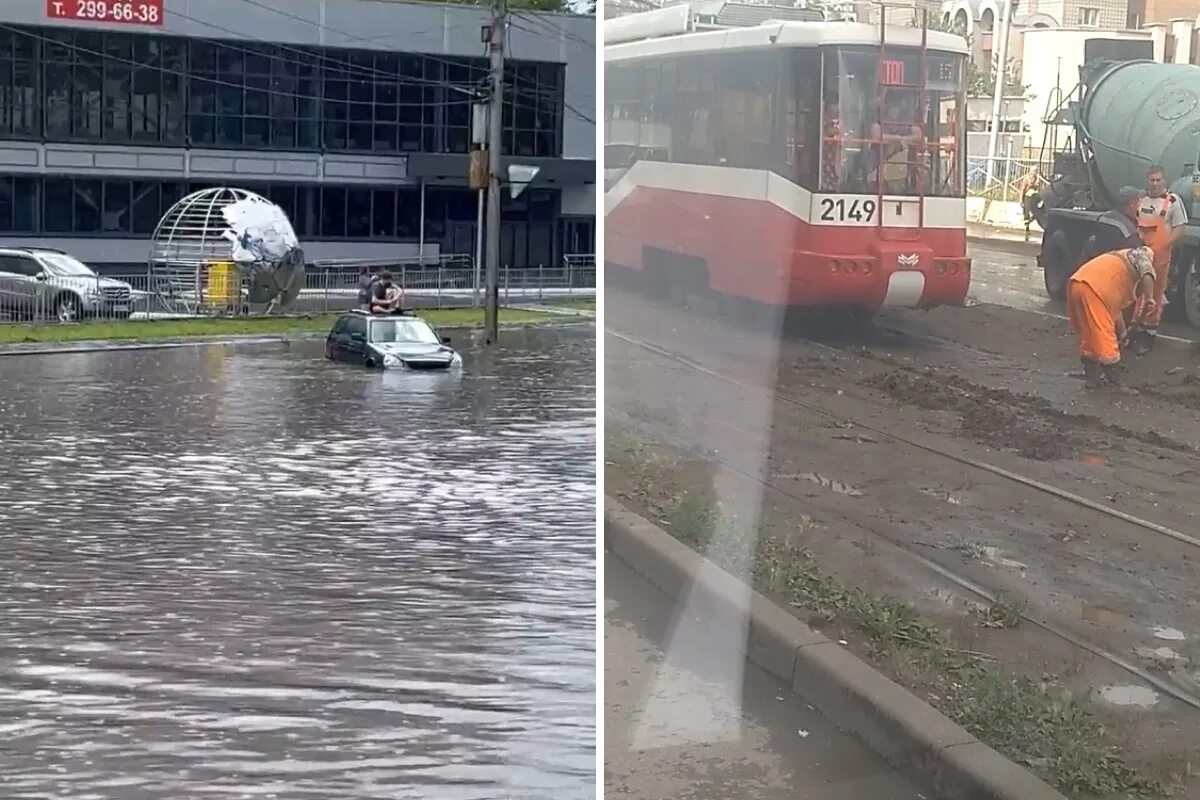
<point>223,250</point>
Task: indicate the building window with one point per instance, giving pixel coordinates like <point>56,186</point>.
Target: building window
<point>18,205</point>
<point>1089,17</point>
<point>112,87</point>
<point>19,107</point>
<point>533,110</point>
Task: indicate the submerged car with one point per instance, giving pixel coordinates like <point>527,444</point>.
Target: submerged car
<point>389,341</point>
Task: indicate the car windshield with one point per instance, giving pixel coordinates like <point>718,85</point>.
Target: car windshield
<point>408,331</point>
<point>66,266</point>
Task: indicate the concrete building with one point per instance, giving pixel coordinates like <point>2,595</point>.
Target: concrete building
<point>1176,41</point>
<point>1147,12</point>
<point>352,115</point>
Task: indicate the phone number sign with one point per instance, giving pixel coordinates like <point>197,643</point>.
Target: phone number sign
<point>131,12</point>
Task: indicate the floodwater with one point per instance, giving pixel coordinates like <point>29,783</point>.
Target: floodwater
<point>245,572</point>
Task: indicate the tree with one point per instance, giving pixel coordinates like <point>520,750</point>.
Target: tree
<point>981,82</point>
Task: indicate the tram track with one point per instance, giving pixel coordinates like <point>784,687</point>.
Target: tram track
<point>967,584</point>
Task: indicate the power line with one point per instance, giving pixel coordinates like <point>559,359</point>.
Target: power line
<point>478,87</point>
<point>322,26</point>
<point>272,91</point>
<point>566,105</point>
<point>553,27</point>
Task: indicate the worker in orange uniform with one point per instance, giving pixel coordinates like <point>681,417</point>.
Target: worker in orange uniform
<point>1098,295</point>
<point>1161,220</point>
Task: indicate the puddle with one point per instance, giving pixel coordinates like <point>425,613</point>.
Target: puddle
<point>1169,634</point>
<point>1162,654</point>
<point>831,484</point>
<point>1137,696</point>
<point>944,496</point>
<point>995,556</point>
<point>1100,615</point>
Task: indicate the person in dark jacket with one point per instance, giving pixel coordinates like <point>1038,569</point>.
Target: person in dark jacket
<point>1118,229</point>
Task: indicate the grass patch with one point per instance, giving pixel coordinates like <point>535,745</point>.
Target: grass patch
<point>580,303</point>
<point>150,330</point>
<point>1033,720</point>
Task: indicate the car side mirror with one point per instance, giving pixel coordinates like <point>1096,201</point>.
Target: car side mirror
<point>41,276</point>
<point>445,340</point>
<point>357,337</point>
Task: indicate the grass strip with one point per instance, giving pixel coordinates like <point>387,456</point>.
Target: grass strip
<point>581,303</point>
<point>162,329</point>
<point>1032,720</point>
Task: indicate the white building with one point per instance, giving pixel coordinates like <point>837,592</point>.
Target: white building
<point>1050,62</point>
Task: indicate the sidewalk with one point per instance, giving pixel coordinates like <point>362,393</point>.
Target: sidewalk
<point>1009,236</point>
<point>681,720</point>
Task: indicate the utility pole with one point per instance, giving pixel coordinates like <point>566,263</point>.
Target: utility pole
<point>495,137</point>
<point>1007,9</point>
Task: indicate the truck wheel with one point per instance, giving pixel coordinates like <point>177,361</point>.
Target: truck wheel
<point>1057,266</point>
<point>1189,297</point>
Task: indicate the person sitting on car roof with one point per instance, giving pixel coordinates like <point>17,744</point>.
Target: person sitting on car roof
<point>385,295</point>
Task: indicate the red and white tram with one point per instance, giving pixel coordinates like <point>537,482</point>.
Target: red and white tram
<point>788,163</point>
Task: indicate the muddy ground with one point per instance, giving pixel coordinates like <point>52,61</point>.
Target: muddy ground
<point>989,384</point>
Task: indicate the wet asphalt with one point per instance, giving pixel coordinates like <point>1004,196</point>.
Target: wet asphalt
<point>243,571</point>
<point>704,724</point>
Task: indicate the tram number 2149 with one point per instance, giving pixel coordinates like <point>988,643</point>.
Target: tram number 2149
<point>841,209</point>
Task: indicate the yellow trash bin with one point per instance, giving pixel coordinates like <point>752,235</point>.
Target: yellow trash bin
<point>223,287</point>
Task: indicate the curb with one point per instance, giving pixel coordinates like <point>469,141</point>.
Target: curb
<point>904,730</point>
<point>118,345</point>
<point>1032,247</point>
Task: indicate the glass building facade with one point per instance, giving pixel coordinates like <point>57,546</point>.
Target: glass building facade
<point>73,86</point>
<point>119,88</point>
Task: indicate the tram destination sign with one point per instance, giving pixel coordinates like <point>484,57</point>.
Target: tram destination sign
<point>127,12</point>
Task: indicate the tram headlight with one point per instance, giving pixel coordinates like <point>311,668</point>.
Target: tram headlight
<point>939,267</point>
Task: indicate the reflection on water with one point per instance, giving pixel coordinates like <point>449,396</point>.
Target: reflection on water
<point>251,573</point>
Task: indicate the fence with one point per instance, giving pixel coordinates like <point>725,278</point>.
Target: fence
<point>329,286</point>
<point>1005,177</point>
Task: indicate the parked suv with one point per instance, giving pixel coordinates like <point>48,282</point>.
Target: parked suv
<point>39,282</point>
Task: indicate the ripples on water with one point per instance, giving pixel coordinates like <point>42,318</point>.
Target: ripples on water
<point>248,572</point>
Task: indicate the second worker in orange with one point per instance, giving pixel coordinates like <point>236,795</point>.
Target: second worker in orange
<point>1161,221</point>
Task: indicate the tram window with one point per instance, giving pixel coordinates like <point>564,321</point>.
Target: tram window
<point>909,147</point>
<point>724,110</point>
<point>800,126</point>
<point>945,125</point>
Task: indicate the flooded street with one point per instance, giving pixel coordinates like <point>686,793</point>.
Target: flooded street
<point>248,572</point>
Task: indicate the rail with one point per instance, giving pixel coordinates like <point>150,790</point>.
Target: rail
<point>903,439</point>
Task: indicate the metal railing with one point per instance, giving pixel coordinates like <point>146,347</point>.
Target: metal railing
<point>1004,182</point>
<point>329,286</point>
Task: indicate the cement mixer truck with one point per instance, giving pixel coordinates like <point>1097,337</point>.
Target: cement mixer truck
<point>1129,115</point>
